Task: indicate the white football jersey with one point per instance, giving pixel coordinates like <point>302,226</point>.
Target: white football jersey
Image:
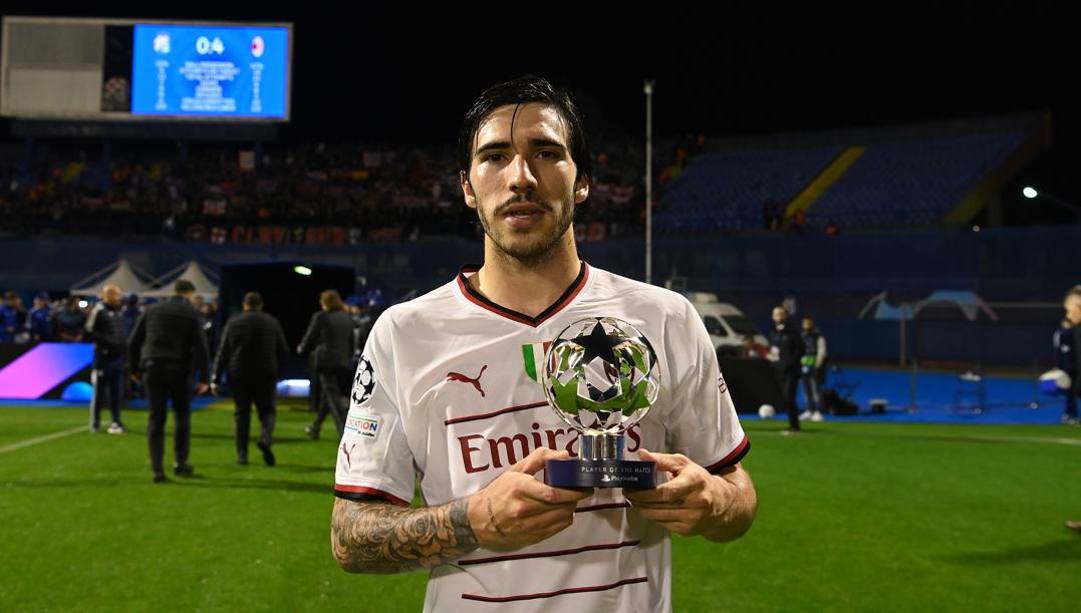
<point>447,392</point>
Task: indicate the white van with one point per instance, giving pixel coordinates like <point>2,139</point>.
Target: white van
<point>728,327</point>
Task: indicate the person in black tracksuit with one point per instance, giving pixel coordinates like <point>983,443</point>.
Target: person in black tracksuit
<point>253,351</point>
<point>1068,349</point>
<point>788,350</point>
<point>105,328</point>
<point>1070,361</point>
<point>166,346</point>
<point>330,339</point>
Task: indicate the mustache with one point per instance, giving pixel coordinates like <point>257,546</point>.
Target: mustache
<point>521,198</point>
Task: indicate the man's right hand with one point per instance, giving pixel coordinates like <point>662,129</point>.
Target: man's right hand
<point>516,510</point>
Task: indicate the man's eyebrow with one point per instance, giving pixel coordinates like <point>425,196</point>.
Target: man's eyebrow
<point>533,142</point>
<point>546,142</point>
<point>494,145</point>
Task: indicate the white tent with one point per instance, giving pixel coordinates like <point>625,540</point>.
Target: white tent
<point>970,304</point>
<point>122,274</point>
<point>205,282</point>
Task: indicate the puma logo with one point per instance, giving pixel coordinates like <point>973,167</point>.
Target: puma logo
<point>347,452</point>
<point>459,377</point>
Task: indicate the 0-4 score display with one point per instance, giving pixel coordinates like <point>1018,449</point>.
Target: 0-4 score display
<point>210,71</point>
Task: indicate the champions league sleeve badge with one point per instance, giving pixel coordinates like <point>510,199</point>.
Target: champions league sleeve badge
<point>363,381</point>
<point>600,376</point>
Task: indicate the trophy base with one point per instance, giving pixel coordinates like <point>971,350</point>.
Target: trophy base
<point>627,474</point>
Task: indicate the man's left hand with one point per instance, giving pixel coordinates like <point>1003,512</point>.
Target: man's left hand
<point>691,502</point>
<point>200,389</point>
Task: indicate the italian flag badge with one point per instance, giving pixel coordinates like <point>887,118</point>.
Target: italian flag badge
<point>533,358</point>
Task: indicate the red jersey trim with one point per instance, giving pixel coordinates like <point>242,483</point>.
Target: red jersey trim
<point>602,507</point>
<point>548,554</point>
<point>569,295</point>
<point>369,491</point>
<point>570,590</point>
<point>465,418</point>
<point>733,457</point>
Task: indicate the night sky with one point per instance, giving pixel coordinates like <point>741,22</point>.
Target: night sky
<point>407,75</point>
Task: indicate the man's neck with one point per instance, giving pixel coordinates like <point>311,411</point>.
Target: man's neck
<point>527,288</point>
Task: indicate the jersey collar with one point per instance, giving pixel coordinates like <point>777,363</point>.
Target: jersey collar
<point>564,299</point>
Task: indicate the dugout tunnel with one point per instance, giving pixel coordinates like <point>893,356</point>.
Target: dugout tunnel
<point>288,294</point>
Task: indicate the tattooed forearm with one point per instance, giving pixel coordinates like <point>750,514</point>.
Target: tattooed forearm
<point>372,537</point>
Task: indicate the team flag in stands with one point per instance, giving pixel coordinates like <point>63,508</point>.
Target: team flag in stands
<point>258,47</point>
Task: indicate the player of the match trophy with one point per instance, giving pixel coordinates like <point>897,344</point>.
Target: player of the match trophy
<point>600,377</point>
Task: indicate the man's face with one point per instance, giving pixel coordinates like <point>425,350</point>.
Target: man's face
<point>779,316</point>
<point>522,180</point>
<point>808,325</point>
<point>112,297</point>
<point>1073,309</point>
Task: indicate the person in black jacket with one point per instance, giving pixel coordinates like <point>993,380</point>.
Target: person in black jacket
<point>787,351</point>
<point>253,351</point>
<point>1068,350</point>
<point>1071,361</point>
<point>330,339</point>
<point>165,347</point>
<point>105,328</point>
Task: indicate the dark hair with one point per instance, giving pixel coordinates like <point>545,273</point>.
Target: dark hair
<point>524,90</point>
<point>1074,291</point>
<point>183,286</point>
<point>253,300</point>
<point>331,300</point>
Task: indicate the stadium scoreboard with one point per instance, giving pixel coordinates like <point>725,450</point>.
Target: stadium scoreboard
<point>131,70</point>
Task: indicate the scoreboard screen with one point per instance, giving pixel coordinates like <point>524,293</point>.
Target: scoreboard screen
<point>203,71</point>
<point>145,72</point>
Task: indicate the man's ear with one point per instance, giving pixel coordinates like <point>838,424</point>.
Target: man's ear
<point>581,189</point>
<point>467,189</point>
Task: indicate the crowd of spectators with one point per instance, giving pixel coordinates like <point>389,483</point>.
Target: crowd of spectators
<point>311,193</point>
<point>64,320</point>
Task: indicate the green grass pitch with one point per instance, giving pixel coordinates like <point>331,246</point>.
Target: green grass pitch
<point>866,517</point>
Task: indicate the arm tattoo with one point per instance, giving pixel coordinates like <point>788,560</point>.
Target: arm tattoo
<point>376,537</point>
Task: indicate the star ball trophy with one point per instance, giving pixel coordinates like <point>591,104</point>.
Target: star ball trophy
<point>600,377</point>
